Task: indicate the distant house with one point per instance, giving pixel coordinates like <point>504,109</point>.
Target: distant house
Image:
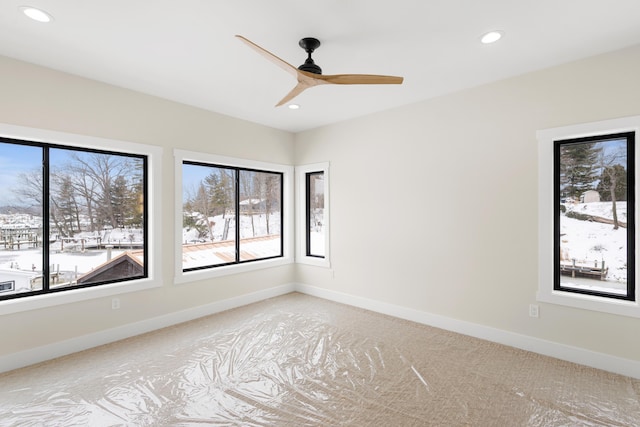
<point>127,264</point>
<point>14,281</point>
<point>590,196</point>
<point>252,205</point>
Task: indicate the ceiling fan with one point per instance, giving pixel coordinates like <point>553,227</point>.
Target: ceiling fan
<point>309,74</point>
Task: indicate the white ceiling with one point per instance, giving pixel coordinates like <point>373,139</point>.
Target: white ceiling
<point>186,50</point>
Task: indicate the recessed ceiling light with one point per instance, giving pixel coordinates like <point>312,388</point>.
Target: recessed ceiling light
<point>491,37</point>
<point>36,14</point>
<point>293,106</point>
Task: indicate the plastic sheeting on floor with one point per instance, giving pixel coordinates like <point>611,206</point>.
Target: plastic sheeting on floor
<point>301,361</point>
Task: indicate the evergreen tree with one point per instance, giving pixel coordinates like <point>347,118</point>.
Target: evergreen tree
<point>135,195</point>
<point>67,206</point>
<point>220,189</point>
<point>579,169</point>
<point>121,203</point>
<point>202,205</point>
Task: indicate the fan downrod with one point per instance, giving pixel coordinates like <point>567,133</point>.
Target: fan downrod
<point>309,44</point>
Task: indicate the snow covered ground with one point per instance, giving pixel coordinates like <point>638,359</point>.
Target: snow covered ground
<point>601,209</point>
<point>205,255</point>
<point>72,259</point>
<point>247,228</point>
<point>589,242</point>
<point>67,259</point>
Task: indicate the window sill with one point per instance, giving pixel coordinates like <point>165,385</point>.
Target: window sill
<point>316,261</point>
<point>209,273</point>
<point>67,297</point>
<point>589,302</point>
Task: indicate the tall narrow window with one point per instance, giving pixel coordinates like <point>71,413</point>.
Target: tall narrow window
<point>312,218</point>
<point>594,227</point>
<point>70,217</point>
<point>231,215</point>
<point>315,214</point>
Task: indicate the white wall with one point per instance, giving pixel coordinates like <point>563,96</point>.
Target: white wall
<point>41,98</point>
<point>434,205</point>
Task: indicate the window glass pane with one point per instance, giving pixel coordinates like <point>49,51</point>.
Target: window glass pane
<point>208,216</point>
<point>21,233</point>
<point>260,214</point>
<point>594,234</point>
<point>96,216</point>
<point>315,214</point>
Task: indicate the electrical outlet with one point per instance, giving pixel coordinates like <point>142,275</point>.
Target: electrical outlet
<point>534,310</point>
<point>115,303</point>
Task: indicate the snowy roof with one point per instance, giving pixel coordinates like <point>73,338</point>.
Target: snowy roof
<point>135,258</point>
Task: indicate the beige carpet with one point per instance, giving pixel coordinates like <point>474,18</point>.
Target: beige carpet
<point>301,361</point>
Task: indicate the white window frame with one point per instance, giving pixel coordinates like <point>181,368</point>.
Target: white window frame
<point>546,293</point>
<point>301,215</point>
<point>154,162</point>
<point>181,156</point>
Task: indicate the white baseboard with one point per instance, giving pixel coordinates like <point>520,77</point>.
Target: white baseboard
<point>593,359</point>
<point>618,365</point>
<point>63,348</point>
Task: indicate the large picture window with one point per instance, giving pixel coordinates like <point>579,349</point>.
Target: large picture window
<point>230,215</point>
<point>70,217</point>
<point>594,228</point>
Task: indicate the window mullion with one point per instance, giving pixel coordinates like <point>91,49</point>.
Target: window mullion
<point>237,214</point>
<point>45,219</point>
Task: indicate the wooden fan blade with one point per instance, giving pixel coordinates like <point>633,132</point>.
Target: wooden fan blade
<point>294,92</point>
<point>360,79</point>
<point>270,56</point>
<point>307,79</point>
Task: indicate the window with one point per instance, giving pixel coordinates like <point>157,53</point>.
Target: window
<point>315,214</point>
<point>587,216</point>
<point>230,215</point>
<point>72,217</point>
<point>313,219</point>
<point>78,217</point>
<point>7,286</point>
<point>233,215</point>
<point>594,216</point>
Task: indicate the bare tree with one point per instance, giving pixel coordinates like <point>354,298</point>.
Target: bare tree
<point>102,170</point>
<point>247,195</point>
<point>87,190</point>
<point>30,188</point>
<point>613,176</point>
<point>269,190</point>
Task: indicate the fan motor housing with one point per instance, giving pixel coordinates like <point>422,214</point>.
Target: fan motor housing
<point>309,44</point>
